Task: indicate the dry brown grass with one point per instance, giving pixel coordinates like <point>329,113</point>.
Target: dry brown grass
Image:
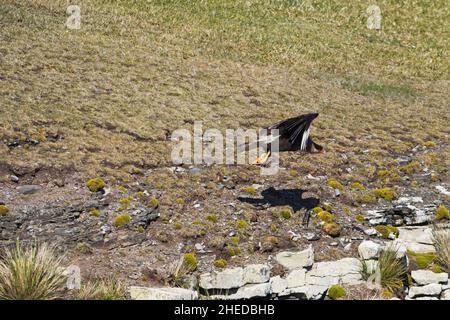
<point>138,70</point>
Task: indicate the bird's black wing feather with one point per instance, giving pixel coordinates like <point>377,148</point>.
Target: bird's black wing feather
<point>294,128</point>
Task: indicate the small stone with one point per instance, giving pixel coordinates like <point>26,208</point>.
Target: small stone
<point>344,271</point>
<point>195,170</point>
<point>310,236</point>
<point>296,260</point>
<point>424,277</point>
<point>29,189</point>
<point>371,232</point>
<point>256,273</point>
<point>368,250</point>
<point>14,178</point>
<point>334,244</point>
<point>199,247</point>
<point>144,293</point>
<point>432,289</point>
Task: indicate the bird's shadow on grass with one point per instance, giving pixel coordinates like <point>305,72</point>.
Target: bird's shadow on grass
<point>283,197</point>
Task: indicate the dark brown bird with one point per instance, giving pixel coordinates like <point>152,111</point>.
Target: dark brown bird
<point>294,135</point>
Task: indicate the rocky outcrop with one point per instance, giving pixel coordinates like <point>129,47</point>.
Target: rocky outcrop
<point>144,293</point>
<point>402,214</point>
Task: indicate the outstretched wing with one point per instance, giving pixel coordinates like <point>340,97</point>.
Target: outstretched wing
<point>296,130</point>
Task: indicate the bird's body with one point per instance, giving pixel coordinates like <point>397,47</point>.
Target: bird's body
<point>293,135</point>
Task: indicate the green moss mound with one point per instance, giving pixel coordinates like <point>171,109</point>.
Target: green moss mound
<point>385,231</point>
<point>221,263</point>
<point>286,213</point>
<point>249,190</point>
<point>325,216</point>
<point>3,210</point>
<point>333,183</point>
<point>358,186</point>
<point>386,193</point>
<point>423,260</point>
<point>336,292</point>
<point>317,210</point>
<point>442,213</point>
<point>94,212</point>
<point>96,184</point>
<point>122,220</point>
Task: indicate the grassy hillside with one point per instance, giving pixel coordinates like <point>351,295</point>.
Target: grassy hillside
<point>139,69</point>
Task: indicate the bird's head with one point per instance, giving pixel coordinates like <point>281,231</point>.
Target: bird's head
<point>313,147</point>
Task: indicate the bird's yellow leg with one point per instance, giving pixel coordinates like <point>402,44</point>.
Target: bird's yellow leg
<point>262,159</point>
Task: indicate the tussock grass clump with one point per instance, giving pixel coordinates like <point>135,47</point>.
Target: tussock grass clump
<point>442,213</point>
<point>32,273</point>
<point>234,251</point>
<point>410,168</point>
<point>191,261</point>
<point>235,240</point>
<point>390,273</point>
<point>441,239</point>
<point>242,224</point>
<point>154,203</point>
<point>386,193</point>
<point>102,289</point>
<point>94,212</point>
<point>358,186</point>
<point>178,273</point>
<point>359,217</point>
<point>366,198</point>
<point>212,217</point>
<point>122,220</point>
<point>126,201</point>
<point>220,263</point>
<point>333,183</point>
<point>96,184</point>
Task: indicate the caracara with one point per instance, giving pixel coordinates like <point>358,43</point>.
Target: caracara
<point>293,136</point>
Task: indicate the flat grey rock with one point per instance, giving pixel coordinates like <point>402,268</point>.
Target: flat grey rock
<point>369,250</point>
<point>432,289</point>
<point>296,260</point>
<point>29,189</point>
<point>226,279</point>
<point>424,277</point>
<point>256,273</point>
